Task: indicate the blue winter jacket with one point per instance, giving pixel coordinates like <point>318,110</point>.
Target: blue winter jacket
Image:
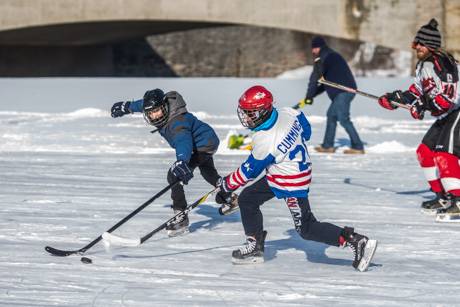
<point>183,131</point>
<point>333,67</point>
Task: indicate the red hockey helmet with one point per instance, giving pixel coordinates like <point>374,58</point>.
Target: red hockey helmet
<point>255,106</point>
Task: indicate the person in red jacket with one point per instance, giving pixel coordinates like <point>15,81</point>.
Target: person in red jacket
<point>435,91</point>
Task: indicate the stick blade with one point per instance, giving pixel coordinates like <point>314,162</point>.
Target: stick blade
<point>111,239</point>
<point>59,252</point>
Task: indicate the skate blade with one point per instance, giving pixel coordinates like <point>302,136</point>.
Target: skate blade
<point>369,252</point>
<point>446,218</point>
<point>250,260</point>
<point>178,232</point>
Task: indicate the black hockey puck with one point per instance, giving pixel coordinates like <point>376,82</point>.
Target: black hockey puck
<point>86,260</point>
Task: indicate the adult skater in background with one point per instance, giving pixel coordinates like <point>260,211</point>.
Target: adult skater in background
<point>435,91</point>
<point>333,67</point>
<point>194,141</point>
<point>279,148</point>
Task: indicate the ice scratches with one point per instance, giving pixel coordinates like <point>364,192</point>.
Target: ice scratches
<point>173,253</point>
<point>154,272</point>
<point>183,273</point>
<point>136,295</point>
<point>93,303</point>
<point>25,292</point>
<point>274,292</point>
<point>287,296</point>
<point>46,201</point>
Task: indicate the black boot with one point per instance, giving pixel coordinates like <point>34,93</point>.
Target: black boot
<point>432,206</point>
<point>363,248</point>
<point>252,251</point>
<point>179,225</point>
<point>451,214</point>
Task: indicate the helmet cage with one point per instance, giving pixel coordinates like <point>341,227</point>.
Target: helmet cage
<point>253,118</point>
<point>161,120</point>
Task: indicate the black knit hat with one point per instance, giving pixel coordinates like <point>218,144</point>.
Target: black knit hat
<point>318,42</point>
<point>429,35</point>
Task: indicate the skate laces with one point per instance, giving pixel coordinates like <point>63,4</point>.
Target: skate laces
<point>354,248</point>
<point>249,247</point>
<point>444,202</point>
<point>355,243</point>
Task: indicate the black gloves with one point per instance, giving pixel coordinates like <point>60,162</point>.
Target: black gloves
<point>182,172</point>
<point>120,108</point>
<point>396,96</point>
<point>418,110</point>
<point>224,196</point>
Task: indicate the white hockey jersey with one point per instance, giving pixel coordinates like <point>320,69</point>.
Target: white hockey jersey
<point>282,152</point>
<point>436,82</point>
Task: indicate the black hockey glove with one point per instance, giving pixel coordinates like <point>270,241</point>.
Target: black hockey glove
<point>406,97</point>
<point>396,96</point>
<point>418,110</point>
<point>182,172</point>
<point>224,196</point>
<point>120,108</point>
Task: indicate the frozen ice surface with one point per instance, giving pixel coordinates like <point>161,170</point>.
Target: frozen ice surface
<point>68,172</point>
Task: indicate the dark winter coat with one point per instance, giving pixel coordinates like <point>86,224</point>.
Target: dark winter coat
<point>333,67</point>
<point>183,131</point>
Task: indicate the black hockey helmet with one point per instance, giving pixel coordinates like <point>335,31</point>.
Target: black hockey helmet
<point>154,101</point>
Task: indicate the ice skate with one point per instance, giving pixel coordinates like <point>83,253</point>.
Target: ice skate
<point>229,208</point>
<point>440,202</point>
<point>178,226</point>
<point>251,252</point>
<point>451,214</point>
<point>363,248</point>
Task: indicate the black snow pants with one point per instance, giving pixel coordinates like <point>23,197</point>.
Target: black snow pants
<point>252,197</point>
<point>205,162</point>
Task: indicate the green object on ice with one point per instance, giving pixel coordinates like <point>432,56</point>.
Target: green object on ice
<point>235,141</point>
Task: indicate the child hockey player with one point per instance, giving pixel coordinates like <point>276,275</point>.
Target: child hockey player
<point>435,91</point>
<point>279,149</point>
<point>194,141</point>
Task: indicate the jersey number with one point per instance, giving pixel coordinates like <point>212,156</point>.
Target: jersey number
<point>449,90</point>
<point>302,148</point>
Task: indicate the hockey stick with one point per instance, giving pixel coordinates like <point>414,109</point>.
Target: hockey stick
<point>237,140</point>
<point>63,253</point>
<point>356,91</point>
<point>367,186</point>
<point>118,240</point>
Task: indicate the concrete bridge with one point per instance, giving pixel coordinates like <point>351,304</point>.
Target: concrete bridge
<point>390,23</point>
